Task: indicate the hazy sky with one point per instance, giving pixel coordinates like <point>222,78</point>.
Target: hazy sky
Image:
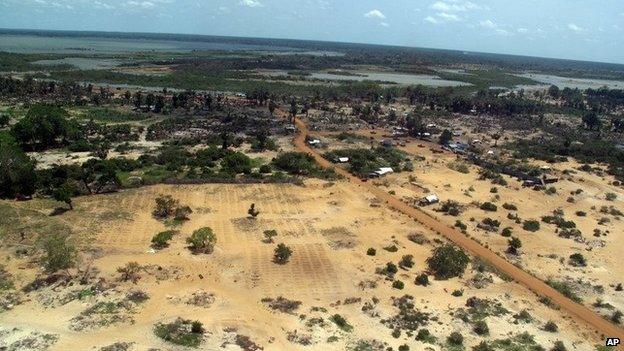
<point>575,29</point>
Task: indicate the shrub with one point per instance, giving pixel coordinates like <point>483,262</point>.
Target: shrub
<point>425,336</point>
<point>559,346</point>
<point>459,224</point>
<point>455,339</point>
<point>494,190</point>
<point>253,212</point>
<point>488,206</point>
<point>391,268</point>
<point>482,346</point>
<point>130,272</point>
<point>551,190</point>
<point>422,279</point>
<point>510,207</point>
<point>197,327</point>
<point>577,260</point>
<point>295,163</point>
<point>507,232</point>
<point>371,251</point>
<point>161,240</point>
<point>417,238</point>
<point>182,213</point>
<point>341,322</point>
<point>523,316</point>
<point>447,262</point>
<point>269,235</point>
<point>458,292</point>
<point>404,347</point>
<point>59,253</point>
<point>551,327</point>
<point>581,213</point>
<point>460,167</point>
<point>616,317</point>
<point>282,254</point>
<point>235,163</point>
<point>202,240</point>
<point>565,289</point>
<point>264,169</point>
<point>611,196</point>
<point>514,244</point>
<point>481,328</point>
<point>181,332</point>
<point>451,208</point>
<point>491,222</point>
<point>407,261</point>
<point>531,225</point>
<point>165,206</point>
<point>397,284</point>
<point>391,248</point>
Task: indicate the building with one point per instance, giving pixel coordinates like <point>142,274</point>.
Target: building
<point>429,200</point>
<point>314,142</point>
<point>381,172</point>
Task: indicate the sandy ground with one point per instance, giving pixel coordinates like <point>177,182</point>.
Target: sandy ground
<point>544,253</point>
<point>329,226</point>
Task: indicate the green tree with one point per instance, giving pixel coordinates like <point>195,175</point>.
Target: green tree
<point>448,261</point>
<point>17,172</point>
<point>269,235</point>
<point>59,253</point>
<point>202,240</point>
<point>161,240</point>
<point>514,245</point>
<point>64,193</point>
<point>252,211</point>
<point>445,137</point>
<point>236,162</point>
<point>165,206</point>
<point>4,120</point>
<point>42,127</point>
<point>282,254</point>
<point>182,213</point>
<point>591,121</point>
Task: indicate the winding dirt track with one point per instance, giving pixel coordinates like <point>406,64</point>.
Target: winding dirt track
<point>602,326</point>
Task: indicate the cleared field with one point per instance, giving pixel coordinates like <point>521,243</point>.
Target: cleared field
<point>329,226</point>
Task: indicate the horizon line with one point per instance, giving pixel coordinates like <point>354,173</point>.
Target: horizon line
<point>304,40</point>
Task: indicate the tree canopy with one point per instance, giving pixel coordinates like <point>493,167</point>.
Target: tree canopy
<point>17,172</point>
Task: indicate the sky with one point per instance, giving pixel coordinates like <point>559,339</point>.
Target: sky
<point>574,29</point>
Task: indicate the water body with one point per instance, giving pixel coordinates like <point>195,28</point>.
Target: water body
<point>82,63</point>
<point>397,78</point>
<point>56,44</point>
<point>360,76</point>
<point>567,82</point>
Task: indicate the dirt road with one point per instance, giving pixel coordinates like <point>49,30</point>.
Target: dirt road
<point>602,326</point>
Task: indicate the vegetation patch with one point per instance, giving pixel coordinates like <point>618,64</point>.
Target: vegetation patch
<point>102,314</point>
<point>408,317</point>
<point>282,304</point>
<point>183,332</point>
